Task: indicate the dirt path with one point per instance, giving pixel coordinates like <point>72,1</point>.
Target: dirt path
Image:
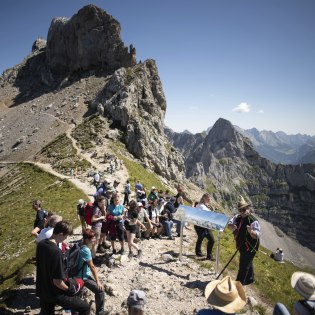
<point>171,286</point>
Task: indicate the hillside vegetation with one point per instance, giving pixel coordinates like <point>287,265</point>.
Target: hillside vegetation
<point>18,187</point>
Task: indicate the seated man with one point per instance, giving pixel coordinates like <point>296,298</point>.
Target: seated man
<point>50,274</point>
<point>145,220</point>
<point>278,255</point>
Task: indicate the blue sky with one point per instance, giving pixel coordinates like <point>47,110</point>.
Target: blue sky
<point>251,62</point>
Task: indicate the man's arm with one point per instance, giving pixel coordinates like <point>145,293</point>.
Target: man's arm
<point>59,283</point>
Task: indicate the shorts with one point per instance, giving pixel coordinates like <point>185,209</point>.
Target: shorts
<point>119,234</point>
<point>132,228</point>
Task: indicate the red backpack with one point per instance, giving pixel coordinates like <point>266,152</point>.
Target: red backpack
<point>88,212</point>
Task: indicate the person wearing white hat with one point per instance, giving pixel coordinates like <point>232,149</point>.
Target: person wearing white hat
<point>304,284</point>
<point>246,230</point>
<point>226,296</point>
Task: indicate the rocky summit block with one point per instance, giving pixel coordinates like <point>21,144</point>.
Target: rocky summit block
<point>90,39</point>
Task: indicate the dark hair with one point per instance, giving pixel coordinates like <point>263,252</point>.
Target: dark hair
<point>63,227</point>
<point>133,214</point>
<point>132,205</point>
<point>88,234</point>
<point>99,198</point>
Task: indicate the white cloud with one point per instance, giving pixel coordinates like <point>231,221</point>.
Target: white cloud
<point>242,108</point>
<point>261,111</point>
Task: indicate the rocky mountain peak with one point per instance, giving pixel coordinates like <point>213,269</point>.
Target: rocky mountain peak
<point>90,39</point>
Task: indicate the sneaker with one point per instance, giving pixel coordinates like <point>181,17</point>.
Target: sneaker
<point>130,255</point>
<point>100,249</point>
<point>114,251</point>
<point>103,312</point>
<point>139,253</point>
<point>122,251</point>
<point>199,254</point>
<point>159,237</point>
<point>170,238</point>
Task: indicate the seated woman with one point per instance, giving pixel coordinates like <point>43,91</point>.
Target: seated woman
<point>87,269</point>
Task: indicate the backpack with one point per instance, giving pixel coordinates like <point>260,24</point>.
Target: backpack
<point>88,212</point>
<point>71,260</point>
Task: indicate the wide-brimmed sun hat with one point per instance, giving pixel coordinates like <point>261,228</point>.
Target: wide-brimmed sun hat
<point>304,284</point>
<point>226,295</point>
<point>242,203</point>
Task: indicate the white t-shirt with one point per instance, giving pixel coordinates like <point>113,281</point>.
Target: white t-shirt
<point>202,206</point>
<point>44,233</point>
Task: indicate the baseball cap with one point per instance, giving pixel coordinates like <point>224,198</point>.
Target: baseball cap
<point>139,204</point>
<point>81,202</point>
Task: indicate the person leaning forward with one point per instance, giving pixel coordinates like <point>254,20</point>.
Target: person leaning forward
<point>50,285</point>
<point>246,230</point>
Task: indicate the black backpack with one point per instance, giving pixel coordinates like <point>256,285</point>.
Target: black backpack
<point>72,259</point>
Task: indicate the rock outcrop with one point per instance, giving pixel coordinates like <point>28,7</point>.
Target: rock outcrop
<point>226,165</point>
<point>89,40</point>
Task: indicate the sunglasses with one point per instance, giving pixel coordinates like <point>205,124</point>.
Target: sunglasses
<point>243,209</point>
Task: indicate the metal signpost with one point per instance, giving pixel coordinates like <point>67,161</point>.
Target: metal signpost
<point>207,219</point>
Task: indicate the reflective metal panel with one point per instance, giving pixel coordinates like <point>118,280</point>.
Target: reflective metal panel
<point>208,219</point>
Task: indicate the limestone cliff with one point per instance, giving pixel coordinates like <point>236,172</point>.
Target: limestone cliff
<point>226,164</point>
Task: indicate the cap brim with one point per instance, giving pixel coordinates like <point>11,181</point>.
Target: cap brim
<point>225,306</point>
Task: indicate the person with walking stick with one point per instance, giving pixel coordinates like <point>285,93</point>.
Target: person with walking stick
<point>246,230</point>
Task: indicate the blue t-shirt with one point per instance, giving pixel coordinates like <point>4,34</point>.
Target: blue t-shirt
<point>85,256</point>
<point>116,210</point>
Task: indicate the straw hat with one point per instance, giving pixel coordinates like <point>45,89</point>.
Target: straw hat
<point>304,284</point>
<point>242,203</point>
<point>226,295</point>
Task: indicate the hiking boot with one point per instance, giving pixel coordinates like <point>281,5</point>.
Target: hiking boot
<point>122,251</point>
<point>139,253</point>
<point>130,255</point>
<point>100,249</point>
<point>170,238</point>
<point>210,258</point>
<point>199,254</point>
<point>114,251</point>
<point>103,312</point>
<point>159,237</point>
<point>105,245</point>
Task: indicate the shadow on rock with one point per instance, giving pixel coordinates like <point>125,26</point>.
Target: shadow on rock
<point>168,272</point>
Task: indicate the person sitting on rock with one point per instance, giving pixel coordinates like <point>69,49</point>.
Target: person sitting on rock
<point>87,270</point>
<point>154,214</point>
<point>226,296</point>
<point>48,231</point>
<point>278,255</point>
<point>143,217</point>
<point>136,302</point>
<point>166,218</point>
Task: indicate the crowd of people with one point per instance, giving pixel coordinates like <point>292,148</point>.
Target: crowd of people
<point>146,216</point>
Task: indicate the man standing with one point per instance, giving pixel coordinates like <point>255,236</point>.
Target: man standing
<point>50,275</point>
<point>246,230</point>
<point>40,221</point>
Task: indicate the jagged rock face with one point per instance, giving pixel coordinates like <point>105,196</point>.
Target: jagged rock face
<point>227,165</point>
<point>134,99</point>
<point>90,39</point>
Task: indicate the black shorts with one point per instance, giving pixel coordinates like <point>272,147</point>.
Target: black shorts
<point>132,229</point>
<point>119,234</point>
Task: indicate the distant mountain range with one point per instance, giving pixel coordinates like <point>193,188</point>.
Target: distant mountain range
<point>279,147</point>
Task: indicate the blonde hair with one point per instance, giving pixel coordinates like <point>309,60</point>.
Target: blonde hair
<point>204,198</point>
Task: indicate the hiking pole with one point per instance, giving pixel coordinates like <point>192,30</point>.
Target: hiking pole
<point>226,265</point>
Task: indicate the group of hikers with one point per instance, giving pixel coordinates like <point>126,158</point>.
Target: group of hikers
<point>147,216</point>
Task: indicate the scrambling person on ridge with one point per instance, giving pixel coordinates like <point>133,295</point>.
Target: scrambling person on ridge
<point>246,230</point>
<point>87,270</point>
<point>204,232</point>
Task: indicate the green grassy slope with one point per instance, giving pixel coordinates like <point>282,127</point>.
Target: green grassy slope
<point>18,188</point>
